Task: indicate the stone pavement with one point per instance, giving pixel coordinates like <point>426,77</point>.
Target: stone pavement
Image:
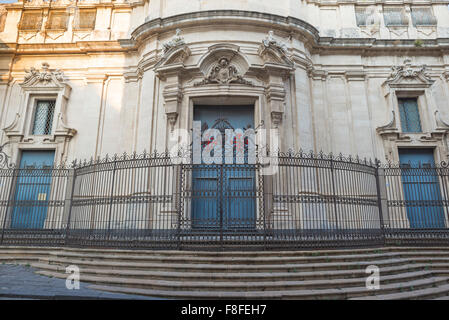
<point>20,282</point>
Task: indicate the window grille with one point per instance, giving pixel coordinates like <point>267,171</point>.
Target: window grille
<point>409,113</point>
<point>43,117</point>
<point>423,17</point>
<point>361,15</point>
<point>395,17</point>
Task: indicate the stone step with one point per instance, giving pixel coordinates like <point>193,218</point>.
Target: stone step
<point>441,292</point>
<point>237,276</point>
<point>19,259</point>
<point>172,253</point>
<point>242,260</point>
<point>266,285</point>
<point>335,293</point>
<point>186,267</point>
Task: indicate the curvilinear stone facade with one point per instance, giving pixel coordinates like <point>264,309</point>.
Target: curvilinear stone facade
<point>123,74</point>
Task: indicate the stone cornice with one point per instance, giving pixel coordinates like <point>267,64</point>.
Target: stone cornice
<point>82,4</point>
<point>310,35</point>
<point>65,48</point>
<point>287,24</point>
<point>223,17</point>
<point>374,2</point>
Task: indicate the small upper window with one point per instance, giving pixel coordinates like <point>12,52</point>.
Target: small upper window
<point>361,16</point>
<point>423,17</point>
<point>57,20</point>
<point>409,114</point>
<point>85,19</point>
<point>395,16</point>
<point>31,20</point>
<point>43,117</point>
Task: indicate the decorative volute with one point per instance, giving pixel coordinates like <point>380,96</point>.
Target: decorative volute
<point>390,127</point>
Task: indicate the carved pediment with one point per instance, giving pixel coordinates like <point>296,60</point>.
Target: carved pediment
<point>406,76</point>
<point>45,78</point>
<point>223,72</point>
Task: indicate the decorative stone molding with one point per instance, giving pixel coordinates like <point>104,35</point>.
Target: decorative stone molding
<point>170,69</point>
<point>223,72</point>
<point>276,118</point>
<point>45,77</point>
<point>274,52</point>
<point>406,76</point>
<point>446,75</point>
<point>271,42</point>
<point>172,117</point>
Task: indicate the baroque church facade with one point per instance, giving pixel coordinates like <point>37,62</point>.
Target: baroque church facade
<point>88,78</point>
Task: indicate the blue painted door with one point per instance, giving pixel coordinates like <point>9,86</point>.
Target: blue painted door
<point>421,189</point>
<point>32,191</point>
<point>224,195</point>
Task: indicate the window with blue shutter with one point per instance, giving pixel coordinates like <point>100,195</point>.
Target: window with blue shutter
<point>43,117</point>
<point>409,113</point>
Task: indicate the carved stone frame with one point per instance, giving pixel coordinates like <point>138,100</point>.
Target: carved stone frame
<point>406,81</point>
<point>37,85</point>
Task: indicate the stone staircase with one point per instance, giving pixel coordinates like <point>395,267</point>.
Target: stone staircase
<point>405,272</point>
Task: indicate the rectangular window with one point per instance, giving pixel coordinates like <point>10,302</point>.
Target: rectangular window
<point>85,19</point>
<point>57,20</point>
<point>395,17</point>
<point>409,113</point>
<point>31,20</point>
<point>43,117</point>
<point>361,15</point>
<point>423,17</point>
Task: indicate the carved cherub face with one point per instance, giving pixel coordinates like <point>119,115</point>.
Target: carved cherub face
<point>223,62</point>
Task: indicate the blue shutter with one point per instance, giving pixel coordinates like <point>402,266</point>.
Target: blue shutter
<point>43,117</point>
<point>409,113</point>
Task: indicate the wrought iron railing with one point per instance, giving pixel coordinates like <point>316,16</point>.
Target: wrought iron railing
<point>295,200</point>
